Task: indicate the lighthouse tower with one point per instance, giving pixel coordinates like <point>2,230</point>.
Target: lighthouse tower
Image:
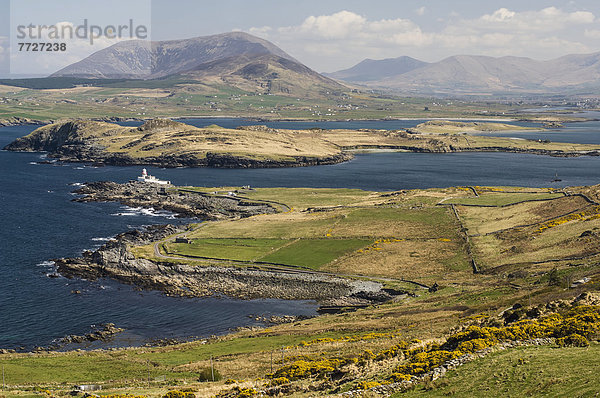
<point>144,173</point>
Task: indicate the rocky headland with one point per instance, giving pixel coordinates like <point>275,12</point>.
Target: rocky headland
<point>167,143</point>
<point>184,203</point>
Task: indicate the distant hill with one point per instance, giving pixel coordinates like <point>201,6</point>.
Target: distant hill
<point>236,59</point>
<point>372,70</point>
<point>467,74</point>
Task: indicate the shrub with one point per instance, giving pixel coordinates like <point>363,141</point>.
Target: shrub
<point>206,374</point>
<point>392,352</point>
<point>279,381</point>
<point>244,392</point>
<point>179,394</point>
<point>318,367</point>
<point>396,377</point>
<point>572,340</point>
<point>365,385</point>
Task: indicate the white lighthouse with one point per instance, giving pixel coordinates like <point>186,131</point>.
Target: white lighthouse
<point>145,177</point>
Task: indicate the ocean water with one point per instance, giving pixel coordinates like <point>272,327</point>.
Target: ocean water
<point>39,222</point>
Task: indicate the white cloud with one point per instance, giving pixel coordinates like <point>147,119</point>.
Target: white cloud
<point>544,20</point>
<point>339,25</point>
<point>261,31</point>
<point>332,42</point>
<point>421,11</point>
<point>592,33</point>
<point>3,50</point>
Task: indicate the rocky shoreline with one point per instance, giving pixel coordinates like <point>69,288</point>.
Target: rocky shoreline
<point>184,203</point>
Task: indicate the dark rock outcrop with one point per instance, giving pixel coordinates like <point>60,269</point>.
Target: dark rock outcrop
<point>182,202</point>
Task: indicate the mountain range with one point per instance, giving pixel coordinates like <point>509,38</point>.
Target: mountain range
<point>467,74</point>
<point>234,59</point>
<point>245,62</point>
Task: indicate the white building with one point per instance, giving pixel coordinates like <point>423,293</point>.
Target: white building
<point>145,177</point>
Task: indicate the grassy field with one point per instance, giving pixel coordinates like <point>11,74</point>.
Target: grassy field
<point>346,231</point>
<point>503,199</point>
<point>522,372</point>
<point>483,220</point>
<point>314,253</point>
<point>175,97</point>
<point>451,127</point>
<point>227,248</point>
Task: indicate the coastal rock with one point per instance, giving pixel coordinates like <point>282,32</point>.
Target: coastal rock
<point>185,203</point>
<point>19,121</point>
<point>104,333</point>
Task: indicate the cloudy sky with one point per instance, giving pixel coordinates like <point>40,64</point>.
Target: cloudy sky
<point>334,34</point>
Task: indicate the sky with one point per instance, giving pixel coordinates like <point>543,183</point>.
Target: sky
<point>331,35</point>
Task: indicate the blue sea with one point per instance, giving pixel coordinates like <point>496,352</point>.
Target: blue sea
<point>40,222</point>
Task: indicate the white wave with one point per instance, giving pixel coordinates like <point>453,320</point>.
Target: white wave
<point>77,184</point>
<point>46,264</point>
<point>140,211</point>
<point>101,239</point>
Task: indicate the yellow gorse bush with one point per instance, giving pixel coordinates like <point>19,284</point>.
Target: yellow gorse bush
<point>123,396</point>
<point>376,246</point>
<point>179,394</point>
<point>348,339</point>
<point>572,328</point>
<point>244,392</point>
<point>586,215</point>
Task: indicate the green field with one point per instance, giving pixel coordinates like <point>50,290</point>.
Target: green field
<point>311,253</point>
<point>301,198</point>
<point>226,248</point>
<point>427,222</point>
<point>314,253</point>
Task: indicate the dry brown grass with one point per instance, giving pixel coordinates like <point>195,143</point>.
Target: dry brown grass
<point>484,220</point>
<point>450,127</point>
<point>526,245</point>
<point>419,260</point>
<point>283,225</point>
